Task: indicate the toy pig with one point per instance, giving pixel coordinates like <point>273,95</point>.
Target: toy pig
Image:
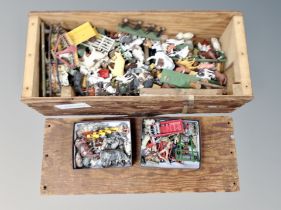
<point>222,78</point>
<point>206,66</point>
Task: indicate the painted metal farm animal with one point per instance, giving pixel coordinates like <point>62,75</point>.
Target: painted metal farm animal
<point>113,157</point>
<point>162,60</point>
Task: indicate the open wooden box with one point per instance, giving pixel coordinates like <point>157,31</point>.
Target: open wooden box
<point>218,170</point>
<point>228,26</point>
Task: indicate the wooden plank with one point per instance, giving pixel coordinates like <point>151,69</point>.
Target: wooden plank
<point>137,105</point>
<point>234,44</point>
<point>202,23</point>
<point>218,172</point>
<point>178,92</point>
<point>229,72</point>
<point>31,69</point>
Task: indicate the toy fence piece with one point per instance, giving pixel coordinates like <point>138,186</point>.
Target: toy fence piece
<point>43,60</point>
<point>103,43</point>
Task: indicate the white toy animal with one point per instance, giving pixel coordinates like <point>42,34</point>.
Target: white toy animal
<point>185,36</point>
<point>63,75</point>
<point>216,44</point>
<point>206,74</point>
<point>183,53</point>
<point>139,55</point>
<point>136,42</point>
<point>90,61</point>
<point>161,55</point>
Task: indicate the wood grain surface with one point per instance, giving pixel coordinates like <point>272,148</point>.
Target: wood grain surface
<point>179,92</point>
<point>32,54</point>
<point>202,23</point>
<point>233,41</point>
<point>138,105</point>
<point>218,172</point>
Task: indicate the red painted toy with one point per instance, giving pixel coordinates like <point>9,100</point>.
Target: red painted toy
<point>104,73</point>
<point>170,127</point>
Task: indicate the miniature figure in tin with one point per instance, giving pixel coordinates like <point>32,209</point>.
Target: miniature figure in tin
<point>102,144</point>
<point>168,143</point>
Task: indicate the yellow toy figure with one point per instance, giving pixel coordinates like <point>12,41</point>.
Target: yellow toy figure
<point>119,65</point>
<point>187,64</point>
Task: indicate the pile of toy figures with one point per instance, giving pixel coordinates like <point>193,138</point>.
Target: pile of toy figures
<point>93,61</point>
<point>168,143</point>
<point>102,144</point>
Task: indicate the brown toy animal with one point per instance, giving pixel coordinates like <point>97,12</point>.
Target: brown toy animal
<point>222,78</point>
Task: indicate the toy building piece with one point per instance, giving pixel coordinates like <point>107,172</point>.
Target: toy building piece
<point>82,33</point>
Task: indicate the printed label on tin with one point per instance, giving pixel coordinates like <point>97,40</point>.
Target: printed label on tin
<point>72,106</point>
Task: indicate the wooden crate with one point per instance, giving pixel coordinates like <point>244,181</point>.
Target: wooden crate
<point>228,26</point>
<point>218,171</point>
